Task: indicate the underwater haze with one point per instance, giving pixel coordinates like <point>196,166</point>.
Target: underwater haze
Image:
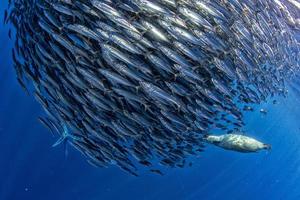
<point>31,169</point>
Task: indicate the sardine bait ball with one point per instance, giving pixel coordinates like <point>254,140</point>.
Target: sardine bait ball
<point>135,82</point>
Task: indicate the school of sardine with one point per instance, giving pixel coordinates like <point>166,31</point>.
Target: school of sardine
<point>130,82</point>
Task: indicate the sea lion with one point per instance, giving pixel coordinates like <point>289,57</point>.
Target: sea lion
<point>236,142</point>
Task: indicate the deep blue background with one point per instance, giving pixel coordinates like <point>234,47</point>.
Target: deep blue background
<point>31,169</point>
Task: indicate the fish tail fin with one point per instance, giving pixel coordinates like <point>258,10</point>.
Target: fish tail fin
<point>63,138</point>
<point>137,88</point>
<point>146,106</point>
<point>59,141</point>
<point>175,76</point>
<point>148,53</point>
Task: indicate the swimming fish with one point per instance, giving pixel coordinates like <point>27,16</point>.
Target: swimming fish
<point>140,82</point>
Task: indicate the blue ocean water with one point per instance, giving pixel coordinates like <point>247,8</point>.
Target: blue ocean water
<point>31,169</point>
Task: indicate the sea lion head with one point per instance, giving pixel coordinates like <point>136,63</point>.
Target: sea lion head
<point>267,146</point>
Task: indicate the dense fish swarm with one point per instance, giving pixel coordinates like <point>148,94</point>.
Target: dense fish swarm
<point>141,81</point>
